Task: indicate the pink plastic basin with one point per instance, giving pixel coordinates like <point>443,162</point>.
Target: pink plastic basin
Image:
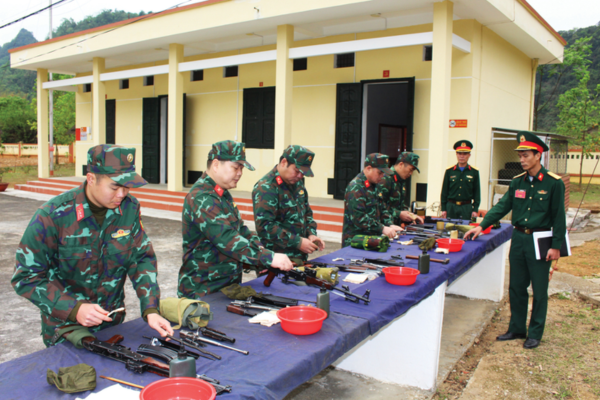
<point>301,320</point>
<point>180,389</point>
<point>453,245</point>
<point>402,276</point>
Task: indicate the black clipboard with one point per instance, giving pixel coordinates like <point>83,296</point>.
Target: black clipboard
<point>543,243</point>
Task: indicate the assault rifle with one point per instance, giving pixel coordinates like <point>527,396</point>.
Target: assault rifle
<point>309,276</point>
<point>137,362</point>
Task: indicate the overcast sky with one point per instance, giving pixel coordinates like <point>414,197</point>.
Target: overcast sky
<point>561,14</point>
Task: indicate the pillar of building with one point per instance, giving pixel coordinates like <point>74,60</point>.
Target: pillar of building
<point>534,65</point>
<point>175,120</point>
<point>439,115</point>
<point>42,124</point>
<point>283,92</point>
<point>98,102</point>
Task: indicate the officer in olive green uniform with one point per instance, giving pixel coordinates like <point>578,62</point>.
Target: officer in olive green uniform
<point>216,243</point>
<point>283,217</point>
<point>365,213</point>
<point>80,246</point>
<point>537,200</point>
<point>393,188</point>
<point>461,189</point>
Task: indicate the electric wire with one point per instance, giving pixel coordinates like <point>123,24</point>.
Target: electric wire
<point>32,14</point>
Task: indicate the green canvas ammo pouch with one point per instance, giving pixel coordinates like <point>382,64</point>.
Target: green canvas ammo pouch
<point>75,379</point>
<point>373,243</point>
<point>186,312</point>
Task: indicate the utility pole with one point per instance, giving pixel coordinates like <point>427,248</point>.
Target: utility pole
<point>51,103</point>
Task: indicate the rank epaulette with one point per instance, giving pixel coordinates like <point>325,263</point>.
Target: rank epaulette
<point>475,168</point>
<point>555,176</point>
<point>516,176</point>
<point>452,166</point>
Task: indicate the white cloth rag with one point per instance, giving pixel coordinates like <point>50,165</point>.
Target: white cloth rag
<point>267,318</point>
<point>356,278</point>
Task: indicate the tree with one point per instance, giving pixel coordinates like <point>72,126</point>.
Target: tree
<point>15,112</point>
<point>580,108</point>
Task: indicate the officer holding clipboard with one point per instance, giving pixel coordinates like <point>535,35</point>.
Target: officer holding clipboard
<point>537,200</point>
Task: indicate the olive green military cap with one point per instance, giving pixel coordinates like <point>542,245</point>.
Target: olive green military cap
<point>116,162</point>
<point>409,158</point>
<point>463,146</point>
<point>530,141</point>
<point>229,150</point>
<point>380,161</point>
<point>301,157</point>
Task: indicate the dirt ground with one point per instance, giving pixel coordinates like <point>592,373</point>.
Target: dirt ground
<point>565,365</point>
<point>19,170</point>
<point>585,261</point>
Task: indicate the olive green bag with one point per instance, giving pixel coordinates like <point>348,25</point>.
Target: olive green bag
<point>187,312</point>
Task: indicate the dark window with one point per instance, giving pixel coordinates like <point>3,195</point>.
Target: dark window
<point>258,121</point>
<point>110,116</point>
<point>231,71</point>
<point>87,87</point>
<point>427,53</point>
<point>578,157</point>
<point>300,64</point>
<point>124,84</point>
<point>344,60</point>
<point>149,80</point>
<point>197,75</point>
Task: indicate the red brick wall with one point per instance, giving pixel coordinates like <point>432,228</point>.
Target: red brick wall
<point>566,178</point>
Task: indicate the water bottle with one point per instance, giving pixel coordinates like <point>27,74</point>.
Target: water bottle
<point>323,300</point>
<point>182,366</point>
<point>424,262</point>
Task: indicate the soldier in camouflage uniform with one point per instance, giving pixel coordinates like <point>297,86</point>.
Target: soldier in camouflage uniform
<point>284,220</point>
<point>80,246</point>
<point>364,210</point>
<point>393,188</point>
<point>461,189</point>
<point>216,243</point>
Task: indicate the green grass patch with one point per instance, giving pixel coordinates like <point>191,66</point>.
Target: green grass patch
<point>22,174</point>
<point>591,197</point>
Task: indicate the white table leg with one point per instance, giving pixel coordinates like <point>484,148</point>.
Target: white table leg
<point>485,280</point>
<point>407,350</point>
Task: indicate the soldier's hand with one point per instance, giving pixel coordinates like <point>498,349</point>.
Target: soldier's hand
<point>282,262</point>
<point>389,232</point>
<point>318,241</point>
<point>92,315</point>
<point>475,232</point>
<point>307,246</point>
<point>159,324</point>
<point>474,214</point>
<point>406,216</point>
<point>444,214</point>
<point>552,269</point>
<point>553,254</point>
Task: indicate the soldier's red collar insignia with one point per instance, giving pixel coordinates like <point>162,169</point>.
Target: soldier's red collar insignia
<point>279,180</point>
<point>540,176</point>
<point>79,211</point>
<point>219,190</point>
<point>395,178</point>
<point>367,183</point>
<point>454,168</point>
<point>120,233</point>
<point>469,167</point>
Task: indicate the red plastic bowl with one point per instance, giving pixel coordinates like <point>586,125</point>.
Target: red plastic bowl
<point>485,231</point>
<point>301,320</point>
<point>402,276</point>
<point>179,388</point>
<point>453,245</point>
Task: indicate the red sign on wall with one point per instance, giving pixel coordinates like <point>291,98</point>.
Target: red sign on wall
<point>260,84</point>
<point>458,123</point>
<point>386,73</point>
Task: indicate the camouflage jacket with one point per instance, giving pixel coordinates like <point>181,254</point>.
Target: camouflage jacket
<point>282,214</point>
<point>393,190</point>
<point>65,257</point>
<point>215,241</point>
<point>364,210</point>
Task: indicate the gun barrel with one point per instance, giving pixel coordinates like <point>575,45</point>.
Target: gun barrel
<point>193,337</point>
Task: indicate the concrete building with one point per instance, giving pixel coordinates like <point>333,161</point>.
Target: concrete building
<point>341,77</point>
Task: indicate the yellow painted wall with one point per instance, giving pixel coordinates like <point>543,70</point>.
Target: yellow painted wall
<point>490,87</point>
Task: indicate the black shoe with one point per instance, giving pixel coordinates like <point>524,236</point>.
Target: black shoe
<point>511,336</point>
<point>531,343</point>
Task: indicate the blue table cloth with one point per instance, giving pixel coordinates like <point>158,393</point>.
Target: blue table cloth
<point>278,362</point>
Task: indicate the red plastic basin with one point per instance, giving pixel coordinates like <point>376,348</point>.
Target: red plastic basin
<point>301,320</point>
<point>453,245</point>
<point>485,231</point>
<point>180,389</point>
<point>402,276</point>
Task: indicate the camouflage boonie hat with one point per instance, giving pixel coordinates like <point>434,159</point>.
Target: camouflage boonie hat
<point>409,158</point>
<point>380,161</point>
<point>530,141</point>
<point>229,150</point>
<point>301,157</point>
<point>116,162</point>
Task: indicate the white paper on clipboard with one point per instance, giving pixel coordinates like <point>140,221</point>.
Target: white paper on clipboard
<point>564,251</point>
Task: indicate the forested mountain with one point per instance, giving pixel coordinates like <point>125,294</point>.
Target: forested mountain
<point>21,83</point>
<point>548,116</point>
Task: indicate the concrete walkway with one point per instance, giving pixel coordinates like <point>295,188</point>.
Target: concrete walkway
<point>19,325</point>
